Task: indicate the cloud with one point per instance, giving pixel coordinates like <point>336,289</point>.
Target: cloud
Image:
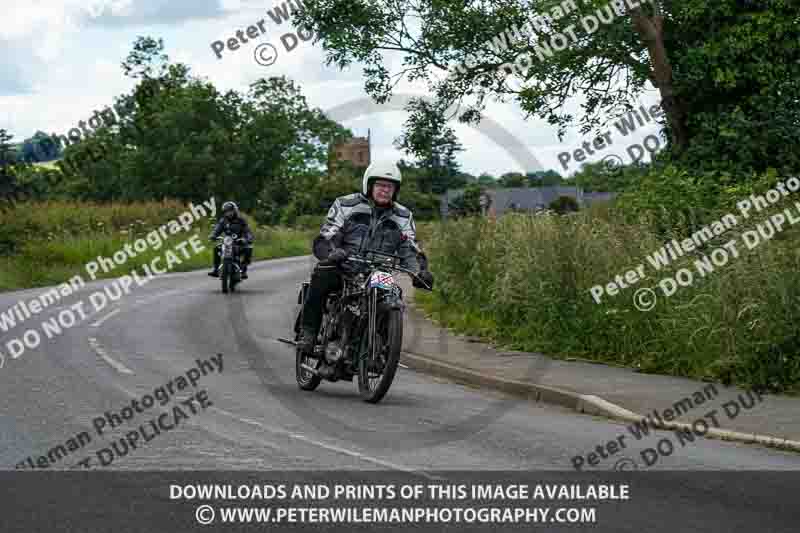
<point>116,13</point>
<point>62,59</point>
<point>13,80</point>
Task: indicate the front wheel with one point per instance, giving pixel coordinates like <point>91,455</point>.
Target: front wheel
<point>234,279</point>
<point>376,370</point>
<point>306,379</point>
<point>227,271</point>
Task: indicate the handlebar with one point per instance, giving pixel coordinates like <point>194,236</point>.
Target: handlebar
<point>236,239</point>
<point>360,258</point>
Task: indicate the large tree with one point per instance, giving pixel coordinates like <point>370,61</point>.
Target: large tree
<point>727,71</point>
<point>512,179</point>
<point>7,160</point>
<point>179,137</point>
<point>544,178</point>
<point>434,144</point>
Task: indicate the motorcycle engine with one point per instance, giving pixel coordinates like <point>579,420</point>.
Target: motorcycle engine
<point>333,352</point>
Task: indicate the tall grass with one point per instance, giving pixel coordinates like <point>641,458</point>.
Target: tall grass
<point>47,243</point>
<point>525,281</point>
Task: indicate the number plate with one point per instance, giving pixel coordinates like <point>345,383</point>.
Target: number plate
<point>382,280</point>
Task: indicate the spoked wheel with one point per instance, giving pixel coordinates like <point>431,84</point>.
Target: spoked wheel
<point>306,379</point>
<point>376,368</point>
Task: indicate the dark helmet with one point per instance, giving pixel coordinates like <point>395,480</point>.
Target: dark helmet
<point>230,210</point>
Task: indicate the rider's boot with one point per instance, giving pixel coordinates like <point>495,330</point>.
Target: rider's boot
<point>244,272</point>
<point>214,272</point>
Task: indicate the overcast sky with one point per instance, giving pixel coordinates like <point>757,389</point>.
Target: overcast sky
<point>61,61</point>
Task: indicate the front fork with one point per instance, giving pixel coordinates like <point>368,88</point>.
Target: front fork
<point>378,302</point>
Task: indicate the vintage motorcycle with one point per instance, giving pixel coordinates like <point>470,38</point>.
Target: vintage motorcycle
<point>362,327</point>
<point>231,267</point>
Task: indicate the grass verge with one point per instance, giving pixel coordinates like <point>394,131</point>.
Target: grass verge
<point>524,282</point>
<point>44,244</point>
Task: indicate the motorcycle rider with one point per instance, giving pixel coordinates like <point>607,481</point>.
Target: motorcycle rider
<point>371,219</point>
<point>232,223</point>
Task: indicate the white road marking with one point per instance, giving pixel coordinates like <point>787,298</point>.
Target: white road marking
<point>401,365</point>
<point>109,315</point>
<point>119,367</point>
<point>331,447</point>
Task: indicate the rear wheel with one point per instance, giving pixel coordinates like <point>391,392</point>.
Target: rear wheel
<point>376,370</point>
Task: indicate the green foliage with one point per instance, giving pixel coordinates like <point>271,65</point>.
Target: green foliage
<point>544,178</point>
<point>563,205</point>
<point>729,73</point>
<point>672,201</point>
<point>435,146</point>
<point>513,179</point>
<point>181,138</point>
<point>597,177</point>
<point>424,206</point>
<point>52,241</point>
<point>7,180</point>
<point>524,282</point>
<point>469,203</point>
<point>738,72</point>
<point>12,187</point>
<point>318,194</point>
<point>487,180</point>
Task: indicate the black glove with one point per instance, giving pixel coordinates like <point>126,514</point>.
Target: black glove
<point>423,277</point>
<point>337,255</point>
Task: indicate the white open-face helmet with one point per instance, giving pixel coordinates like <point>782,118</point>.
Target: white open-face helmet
<point>383,170</point>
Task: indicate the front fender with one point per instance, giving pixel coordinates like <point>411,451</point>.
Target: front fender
<point>391,301</point>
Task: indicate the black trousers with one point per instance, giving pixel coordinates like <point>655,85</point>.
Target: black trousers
<point>247,255</point>
<point>324,279</point>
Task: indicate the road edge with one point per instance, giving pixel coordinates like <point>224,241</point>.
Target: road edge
<point>582,403</point>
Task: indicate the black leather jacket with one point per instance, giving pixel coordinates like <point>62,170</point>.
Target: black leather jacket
<point>354,223</point>
<point>237,226</point>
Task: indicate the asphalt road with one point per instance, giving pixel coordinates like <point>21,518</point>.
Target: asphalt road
<point>260,420</point>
